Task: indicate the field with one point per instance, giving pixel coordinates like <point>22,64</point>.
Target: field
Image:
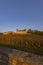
<point>27,42</point>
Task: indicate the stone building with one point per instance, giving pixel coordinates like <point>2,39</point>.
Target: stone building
<point>9,32</point>
<point>24,31</point>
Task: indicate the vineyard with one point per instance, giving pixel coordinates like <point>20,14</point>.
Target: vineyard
<point>26,42</point>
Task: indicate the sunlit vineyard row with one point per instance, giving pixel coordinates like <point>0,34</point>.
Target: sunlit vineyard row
<point>23,42</point>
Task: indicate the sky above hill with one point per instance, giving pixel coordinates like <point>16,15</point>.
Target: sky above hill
<point>21,14</point>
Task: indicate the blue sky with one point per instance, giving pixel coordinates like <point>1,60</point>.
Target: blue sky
<point>21,14</point>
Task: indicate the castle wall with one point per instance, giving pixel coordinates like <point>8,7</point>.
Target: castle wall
<point>21,32</point>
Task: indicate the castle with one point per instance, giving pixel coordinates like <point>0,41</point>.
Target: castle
<point>9,32</point>
<point>24,31</point>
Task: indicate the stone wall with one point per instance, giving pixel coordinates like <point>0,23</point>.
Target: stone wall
<point>4,59</point>
<point>14,57</point>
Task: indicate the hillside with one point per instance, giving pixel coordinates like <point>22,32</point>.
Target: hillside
<point>24,42</point>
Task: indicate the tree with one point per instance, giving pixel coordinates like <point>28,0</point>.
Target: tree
<point>30,30</point>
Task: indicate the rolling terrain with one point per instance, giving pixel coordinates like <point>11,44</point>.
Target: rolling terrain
<point>26,42</point>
